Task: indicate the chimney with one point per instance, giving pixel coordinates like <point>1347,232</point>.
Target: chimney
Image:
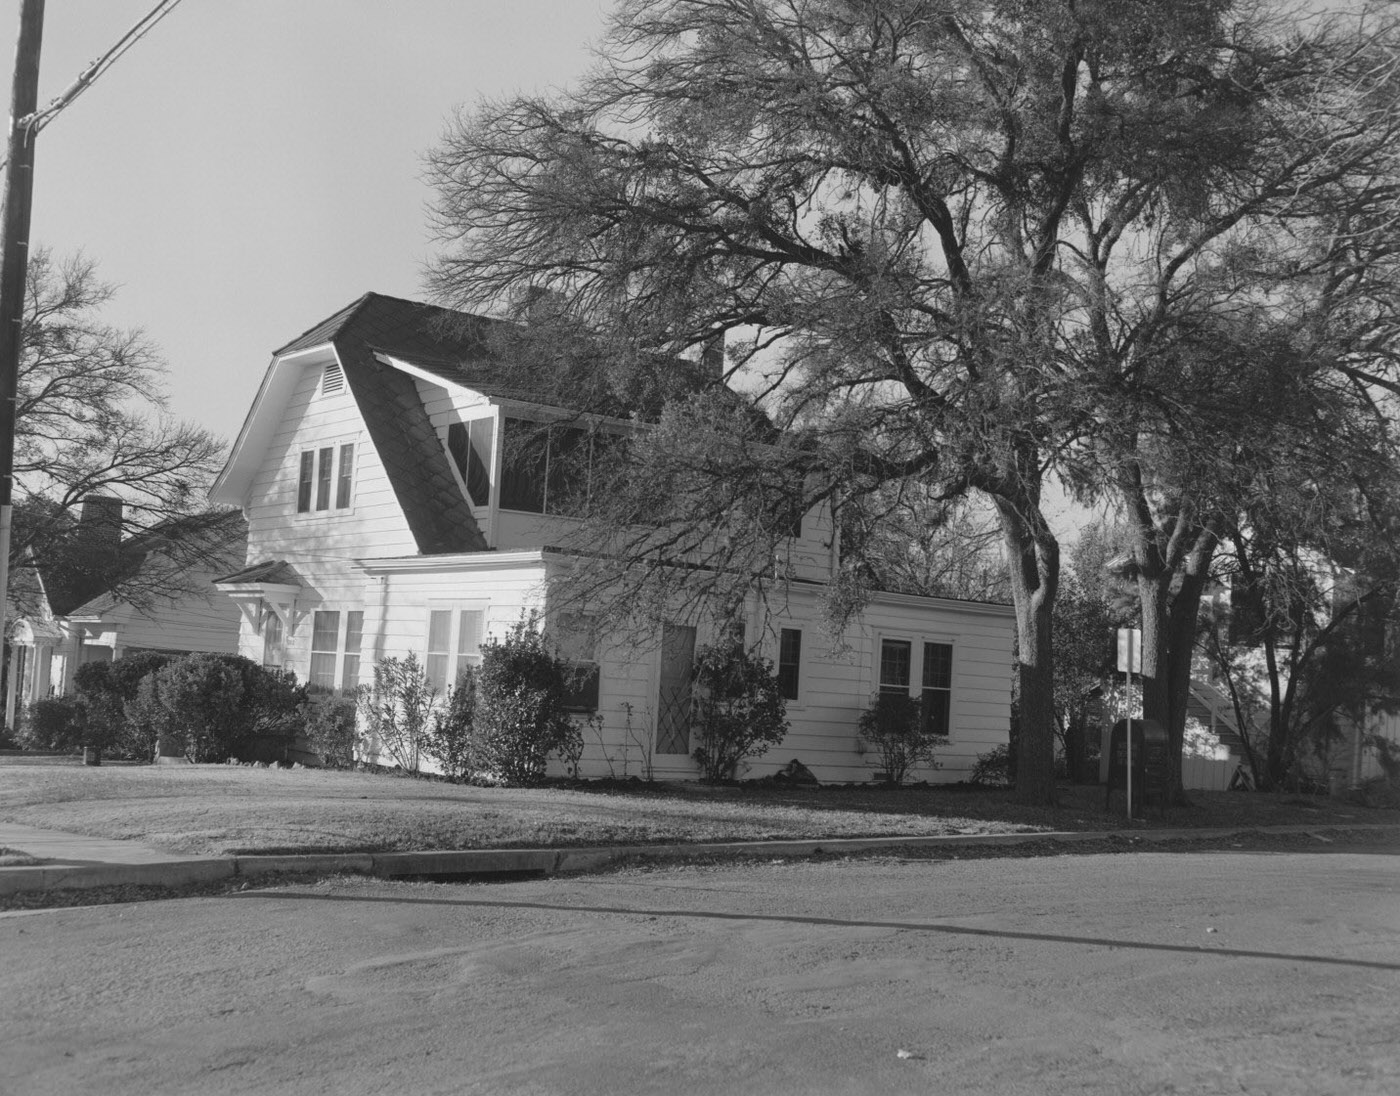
<point>712,357</point>
<point>538,305</point>
<point>100,523</point>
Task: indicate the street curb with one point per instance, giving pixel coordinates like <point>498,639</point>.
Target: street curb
<point>485,863</point>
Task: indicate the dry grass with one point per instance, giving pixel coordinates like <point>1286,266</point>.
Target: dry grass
<point>216,809</point>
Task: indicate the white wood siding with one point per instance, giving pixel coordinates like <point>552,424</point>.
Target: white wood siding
<point>835,686</point>
<point>373,524</point>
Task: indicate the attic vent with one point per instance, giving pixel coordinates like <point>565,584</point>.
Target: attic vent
<point>332,380</point>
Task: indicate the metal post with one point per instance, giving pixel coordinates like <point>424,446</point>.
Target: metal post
<point>1131,632</point>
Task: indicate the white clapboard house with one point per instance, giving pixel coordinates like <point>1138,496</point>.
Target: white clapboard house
<point>383,520</point>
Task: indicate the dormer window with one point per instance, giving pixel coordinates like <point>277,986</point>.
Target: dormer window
<point>325,475</point>
<point>470,446</point>
<point>332,379</point>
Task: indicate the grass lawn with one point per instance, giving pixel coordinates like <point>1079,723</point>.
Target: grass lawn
<point>220,810</point>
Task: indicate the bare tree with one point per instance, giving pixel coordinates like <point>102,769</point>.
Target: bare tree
<point>91,422</point>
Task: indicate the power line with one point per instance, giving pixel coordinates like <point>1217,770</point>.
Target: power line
<point>40,118</point>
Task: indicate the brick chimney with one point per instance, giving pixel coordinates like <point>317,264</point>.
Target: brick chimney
<point>712,357</point>
<point>100,524</point>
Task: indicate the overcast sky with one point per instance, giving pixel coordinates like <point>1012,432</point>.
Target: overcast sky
<point>251,166</point>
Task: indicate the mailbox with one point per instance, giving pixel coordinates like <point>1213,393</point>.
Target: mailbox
<point>1150,762</point>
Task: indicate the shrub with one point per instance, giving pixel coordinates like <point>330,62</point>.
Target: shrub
<point>522,714</point>
<point>108,688</point>
<point>220,705</point>
<point>54,724</point>
<point>451,741</point>
<point>739,708</point>
<point>993,768</point>
<point>398,709</point>
<point>148,721</point>
<point>331,730</point>
<point>893,725</point>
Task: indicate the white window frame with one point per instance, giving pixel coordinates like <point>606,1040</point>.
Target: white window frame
<point>594,661</point>
<point>454,639</point>
<point>916,640</point>
<point>337,447</point>
<point>803,655</point>
<point>335,651</point>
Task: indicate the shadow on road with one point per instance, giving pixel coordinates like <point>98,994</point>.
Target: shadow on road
<point>795,919</point>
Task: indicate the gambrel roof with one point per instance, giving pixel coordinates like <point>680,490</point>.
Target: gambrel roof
<point>395,418</point>
<point>370,339</point>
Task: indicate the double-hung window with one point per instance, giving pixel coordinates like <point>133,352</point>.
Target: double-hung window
<point>325,478</point>
<point>330,646</point>
<point>936,701</point>
<point>577,642</point>
<point>354,631</point>
<point>454,644</point>
<point>325,637</point>
<point>902,662</point>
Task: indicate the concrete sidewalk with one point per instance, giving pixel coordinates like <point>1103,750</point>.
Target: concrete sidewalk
<point>75,861</point>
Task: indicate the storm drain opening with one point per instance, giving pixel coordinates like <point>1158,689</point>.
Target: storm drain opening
<point>518,875</point>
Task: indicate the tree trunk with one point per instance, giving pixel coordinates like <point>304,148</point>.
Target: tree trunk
<point>1034,565</point>
<point>1170,600</point>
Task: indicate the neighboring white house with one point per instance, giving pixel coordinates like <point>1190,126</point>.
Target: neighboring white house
<point>60,618</point>
<point>383,521</point>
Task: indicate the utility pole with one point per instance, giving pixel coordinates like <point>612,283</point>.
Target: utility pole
<point>14,270</point>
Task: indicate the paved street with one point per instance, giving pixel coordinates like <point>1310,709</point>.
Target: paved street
<point>1236,971</point>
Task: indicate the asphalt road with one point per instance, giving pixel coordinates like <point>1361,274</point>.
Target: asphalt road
<point>1204,972</point>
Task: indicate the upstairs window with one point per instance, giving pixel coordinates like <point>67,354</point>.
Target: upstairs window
<point>470,446</point>
<point>325,476</point>
<point>305,479</point>
<point>552,469</point>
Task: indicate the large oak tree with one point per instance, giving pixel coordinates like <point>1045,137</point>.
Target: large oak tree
<point>948,242</point>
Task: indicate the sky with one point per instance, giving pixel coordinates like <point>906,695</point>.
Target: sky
<point>251,166</point>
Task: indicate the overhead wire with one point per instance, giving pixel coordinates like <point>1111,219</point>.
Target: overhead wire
<point>35,122</point>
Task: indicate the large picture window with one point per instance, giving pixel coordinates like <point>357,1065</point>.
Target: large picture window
<point>552,469</point>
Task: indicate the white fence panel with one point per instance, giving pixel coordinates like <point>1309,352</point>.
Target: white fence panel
<point>1206,774</point>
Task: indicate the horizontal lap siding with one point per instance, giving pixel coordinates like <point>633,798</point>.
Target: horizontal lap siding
<point>403,627</point>
<point>373,525</point>
<point>321,546</point>
<point>835,689</point>
<point>192,624</point>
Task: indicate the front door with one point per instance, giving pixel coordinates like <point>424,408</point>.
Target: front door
<point>673,694</point>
